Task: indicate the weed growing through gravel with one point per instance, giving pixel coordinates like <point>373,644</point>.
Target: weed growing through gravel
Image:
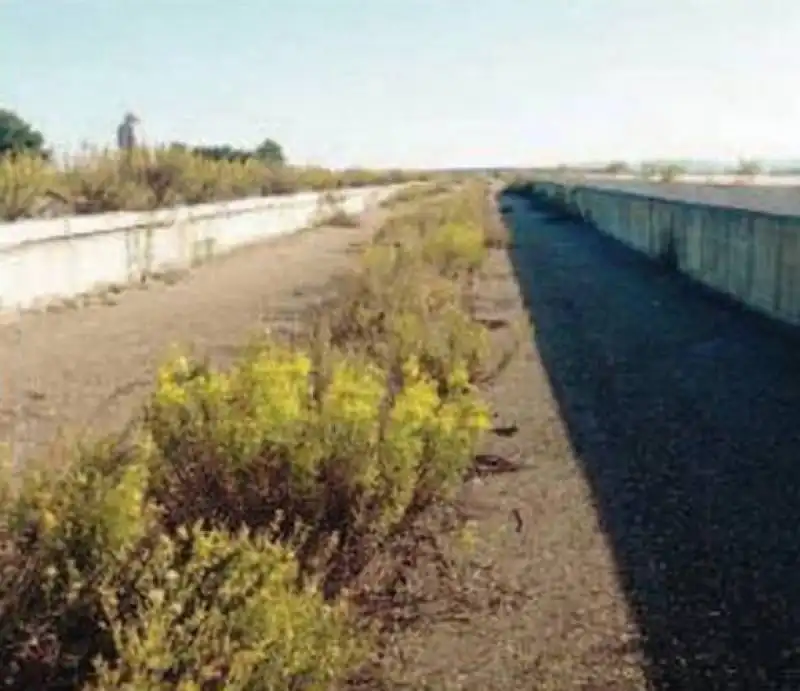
<point>230,540</point>
<point>330,211</point>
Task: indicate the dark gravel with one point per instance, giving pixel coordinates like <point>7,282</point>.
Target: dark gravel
<point>775,200</point>
<point>683,412</point>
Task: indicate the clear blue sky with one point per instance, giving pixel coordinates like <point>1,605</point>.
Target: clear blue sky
<point>415,82</point>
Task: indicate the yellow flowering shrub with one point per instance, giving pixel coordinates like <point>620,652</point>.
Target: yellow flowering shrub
<point>230,614</point>
<point>400,306</point>
<point>455,249</point>
<point>64,537</point>
<point>341,448</point>
<point>215,547</point>
<point>93,590</point>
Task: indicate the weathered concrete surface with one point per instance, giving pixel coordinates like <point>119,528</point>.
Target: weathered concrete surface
<point>769,197</point>
<point>46,259</point>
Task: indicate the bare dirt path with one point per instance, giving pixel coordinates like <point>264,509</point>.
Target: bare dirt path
<point>548,613</point>
<point>93,365</point>
<point>659,547</point>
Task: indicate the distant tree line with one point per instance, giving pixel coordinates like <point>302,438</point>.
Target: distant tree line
<point>18,136</point>
<point>269,152</point>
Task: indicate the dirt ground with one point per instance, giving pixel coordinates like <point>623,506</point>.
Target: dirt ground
<point>546,610</point>
<point>657,546</point>
<point>91,367</point>
<point>650,542</point>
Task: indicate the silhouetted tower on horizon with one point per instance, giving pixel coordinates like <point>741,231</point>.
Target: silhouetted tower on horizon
<point>126,132</point>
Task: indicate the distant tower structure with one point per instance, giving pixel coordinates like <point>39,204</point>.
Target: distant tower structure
<point>126,132</point>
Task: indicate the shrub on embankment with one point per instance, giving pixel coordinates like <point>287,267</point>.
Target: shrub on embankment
<point>220,543</point>
<point>147,179</point>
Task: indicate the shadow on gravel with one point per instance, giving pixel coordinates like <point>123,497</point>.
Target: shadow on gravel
<point>684,412</point>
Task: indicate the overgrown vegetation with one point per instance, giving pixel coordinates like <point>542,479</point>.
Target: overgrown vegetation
<point>226,540</point>
<point>418,192</point>
<point>330,211</point>
<point>144,179</point>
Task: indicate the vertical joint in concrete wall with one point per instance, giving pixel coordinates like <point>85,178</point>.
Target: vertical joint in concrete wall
<point>750,259</point>
<point>148,250</point>
<point>132,259</point>
<point>669,250</point>
<point>777,297</point>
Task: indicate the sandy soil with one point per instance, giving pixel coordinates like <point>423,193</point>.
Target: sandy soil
<point>92,366</point>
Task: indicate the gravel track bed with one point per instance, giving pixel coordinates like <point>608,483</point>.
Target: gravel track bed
<point>684,415</point>
<point>657,543</point>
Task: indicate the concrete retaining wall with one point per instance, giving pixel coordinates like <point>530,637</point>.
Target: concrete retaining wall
<point>751,256</point>
<point>60,258</point>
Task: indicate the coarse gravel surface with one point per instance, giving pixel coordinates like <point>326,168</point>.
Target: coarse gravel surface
<point>546,610</point>
<point>684,414</point>
<point>658,546</point>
